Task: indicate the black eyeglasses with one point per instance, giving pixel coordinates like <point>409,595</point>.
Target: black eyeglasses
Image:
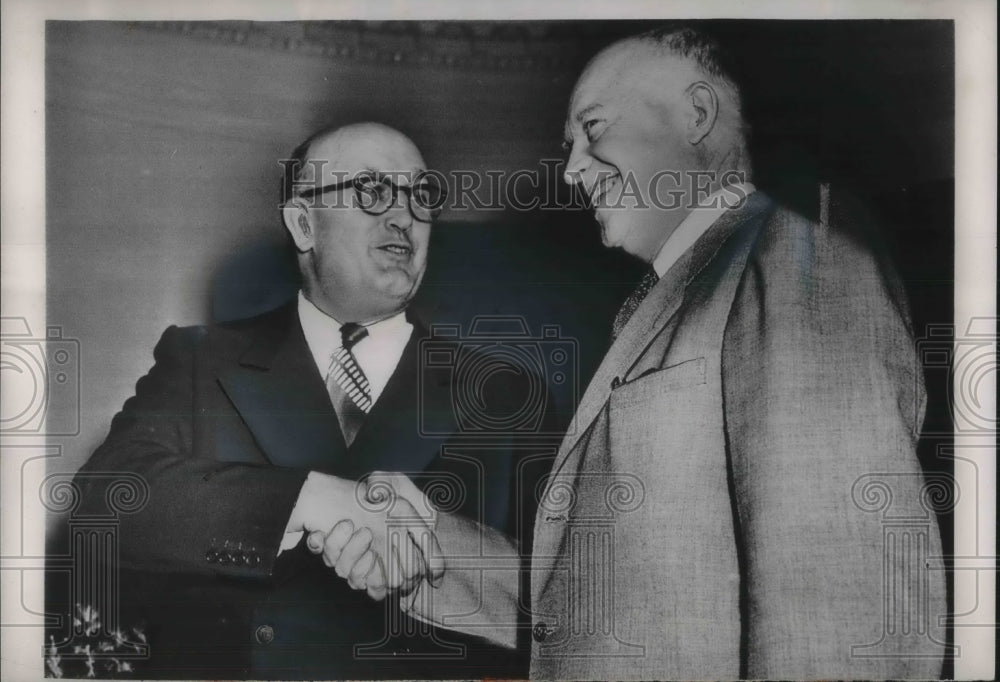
<point>375,193</point>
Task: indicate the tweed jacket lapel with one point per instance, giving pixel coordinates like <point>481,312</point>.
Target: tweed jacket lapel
<point>653,314</point>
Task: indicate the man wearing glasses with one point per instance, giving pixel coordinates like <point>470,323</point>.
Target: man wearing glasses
<point>253,434</point>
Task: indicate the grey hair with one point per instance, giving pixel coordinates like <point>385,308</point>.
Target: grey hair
<point>704,51</point>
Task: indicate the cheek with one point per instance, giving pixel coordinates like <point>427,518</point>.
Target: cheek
<point>421,237</point>
<point>340,253</point>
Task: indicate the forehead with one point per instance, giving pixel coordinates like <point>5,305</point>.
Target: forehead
<point>604,72</point>
<point>356,150</point>
<point>623,73</point>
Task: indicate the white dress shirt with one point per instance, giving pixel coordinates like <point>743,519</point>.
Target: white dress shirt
<point>377,354</point>
<point>698,221</point>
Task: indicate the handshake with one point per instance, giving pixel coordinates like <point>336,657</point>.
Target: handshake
<point>378,533</point>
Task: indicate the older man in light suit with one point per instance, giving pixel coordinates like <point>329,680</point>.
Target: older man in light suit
<point>715,514</point>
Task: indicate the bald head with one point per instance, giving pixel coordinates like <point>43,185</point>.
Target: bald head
<point>658,67</point>
<point>648,117</point>
<point>359,261</point>
<point>344,151</point>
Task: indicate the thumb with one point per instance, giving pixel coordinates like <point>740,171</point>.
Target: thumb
<point>391,485</point>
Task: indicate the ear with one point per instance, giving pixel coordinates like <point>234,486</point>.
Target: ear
<point>298,222</point>
<point>704,110</point>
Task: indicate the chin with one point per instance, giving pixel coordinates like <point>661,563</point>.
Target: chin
<point>612,235</point>
<point>396,294</point>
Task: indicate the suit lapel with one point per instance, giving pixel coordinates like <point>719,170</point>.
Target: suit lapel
<point>281,397</point>
<point>652,315</point>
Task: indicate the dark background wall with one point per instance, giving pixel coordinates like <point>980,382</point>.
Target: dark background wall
<point>162,141</point>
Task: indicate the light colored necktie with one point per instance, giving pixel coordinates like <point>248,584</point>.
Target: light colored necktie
<point>347,384</point>
<point>631,303</point>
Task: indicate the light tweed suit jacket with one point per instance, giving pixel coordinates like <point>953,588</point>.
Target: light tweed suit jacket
<point>741,496</point>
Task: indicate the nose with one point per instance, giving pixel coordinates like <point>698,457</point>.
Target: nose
<point>578,163</point>
<point>399,216</point>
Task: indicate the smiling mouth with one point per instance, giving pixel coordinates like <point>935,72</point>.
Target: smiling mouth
<point>401,250</point>
<point>601,190</point>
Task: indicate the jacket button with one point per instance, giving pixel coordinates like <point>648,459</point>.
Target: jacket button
<point>540,632</point>
<point>264,634</point>
<point>615,383</point>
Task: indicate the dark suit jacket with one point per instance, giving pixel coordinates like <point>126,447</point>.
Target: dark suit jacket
<point>224,429</point>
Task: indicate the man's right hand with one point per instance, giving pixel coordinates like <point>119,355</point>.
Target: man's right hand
<point>372,536</point>
<point>398,559</point>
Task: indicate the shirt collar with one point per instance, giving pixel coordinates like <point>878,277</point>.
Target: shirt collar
<point>322,331</point>
<point>698,221</point>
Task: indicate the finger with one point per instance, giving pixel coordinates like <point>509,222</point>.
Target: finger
<point>376,581</point>
<point>315,541</point>
<point>335,541</point>
<point>410,559</point>
<point>400,538</point>
<point>393,565</point>
<point>407,601</point>
<point>425,556</point>
<point>426,542</point>
<point>357,577</point>
<point>377,593</point>
<point>409,586</point>
<point>353,551</point>
<point>376,574</point>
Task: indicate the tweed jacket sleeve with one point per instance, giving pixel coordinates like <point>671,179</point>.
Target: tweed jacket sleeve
<point>823,406</point>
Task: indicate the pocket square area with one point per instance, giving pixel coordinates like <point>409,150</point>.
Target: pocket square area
<point>679,375</point>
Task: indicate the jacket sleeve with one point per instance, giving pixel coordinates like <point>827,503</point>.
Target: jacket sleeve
<point>196,508</point>
<point>478,594</point>
<point>823,406</point>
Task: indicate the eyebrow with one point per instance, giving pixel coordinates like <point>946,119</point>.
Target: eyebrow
<point>578,118</point>
<point>580,115</point>
<point>391,173</point>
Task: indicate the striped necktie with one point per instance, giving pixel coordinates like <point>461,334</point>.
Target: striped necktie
<point>347,384</point>
<point>631,303</point>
